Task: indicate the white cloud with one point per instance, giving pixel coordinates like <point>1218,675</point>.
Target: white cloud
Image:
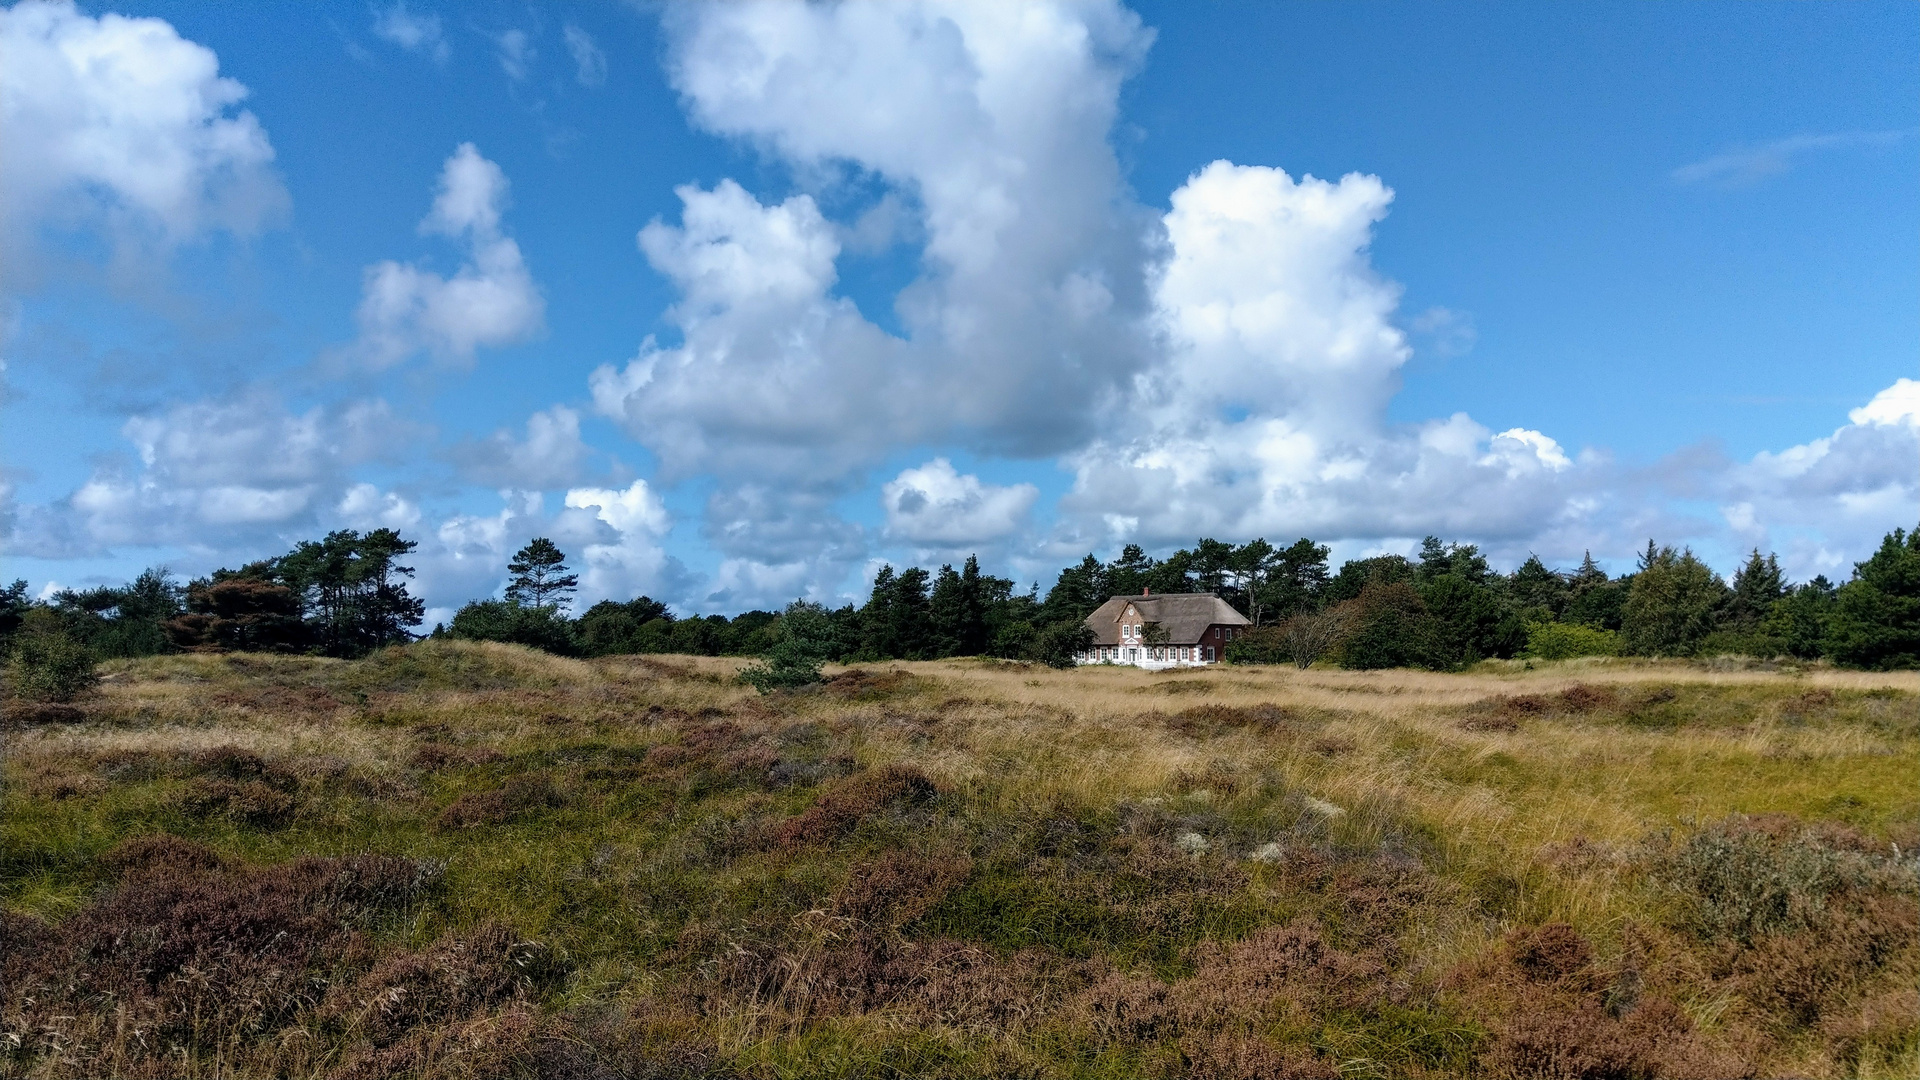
<point>631,561</point>
<point>773,375</point>
<point>1270,303</point>
<point>936,506</point>
<point>988,123</point>
<point>1268,414</point>
<point>589,63</point>
<point>1835,494</point>
<point>491,301</point>
<point>411,31</point>
<point>1897,404</point>
<point>516,54</point>
<point>365,506</point>
<point>551,456</point>
<point>121,124</point>
<point>1752,163</point>
<point>215,473</point>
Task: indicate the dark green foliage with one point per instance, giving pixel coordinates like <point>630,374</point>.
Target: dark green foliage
<point>1297,581</point>
<point>1757,586</point>
<point>611,628</point>
<point>1265,645</point>
<point>517,624</point>
<point>14,606</point>
<point>1469,623</point>
<point>346,595</point>
<point>894,622</point>
<point>1468,618</point>
<point>352,591</point>
<point>806,641</point>
<point>1674,604</point>
<point>1390,627</point>
<point>1356,574</point>
<point>1079,590</point>
<point>1875,621</point>
<point>540,577</point>
<point>1057,644</point>
<point>47,663</point>
<point>1594,599</point>
<point>958,609</point>
<point>1539,591</point>
<point>240,609</point>
<point>123,621</point>
<point>1798,620</point>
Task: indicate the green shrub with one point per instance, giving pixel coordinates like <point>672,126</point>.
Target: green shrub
<point>1756,644</point>
<point>1564,641</point>
<point>1740,881</point>
<point>516,624</point>
<point>805,642</point>
<point>47,664</point>
<point>1057,645</point>
<point>1261,645</point>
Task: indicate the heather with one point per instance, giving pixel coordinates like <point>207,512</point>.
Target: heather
<point>457,859</point>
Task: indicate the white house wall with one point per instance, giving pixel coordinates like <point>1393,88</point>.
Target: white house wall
<point>1149,665</point>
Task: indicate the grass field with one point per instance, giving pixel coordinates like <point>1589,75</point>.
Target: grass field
<point>461,860</point>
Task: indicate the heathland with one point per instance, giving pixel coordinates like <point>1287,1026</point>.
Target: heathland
<point>454,859</point>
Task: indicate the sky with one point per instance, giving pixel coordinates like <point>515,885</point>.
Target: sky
<point>737,302</point>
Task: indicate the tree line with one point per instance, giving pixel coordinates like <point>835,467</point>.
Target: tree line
<point>347,594</point>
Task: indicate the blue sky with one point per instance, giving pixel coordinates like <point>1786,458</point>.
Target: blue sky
<point>920,280</point>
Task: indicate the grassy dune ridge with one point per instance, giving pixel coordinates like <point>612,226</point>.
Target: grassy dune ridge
<point>472,860</point>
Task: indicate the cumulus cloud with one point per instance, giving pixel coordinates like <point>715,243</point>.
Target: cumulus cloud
<point>365,507</point>
<point>412,31</point>
<point>1030,313</point>
<point>589,63</point>
<point>773,375</point>
<point>1268,415</point>
<point>122,125</point>
<point>551,455</point>
<point>214,473</point>
<point>630,561</point>
<point>1828,501</point>
<point>934,505</point>
<point>490,302</point>
<point>1224,367</point>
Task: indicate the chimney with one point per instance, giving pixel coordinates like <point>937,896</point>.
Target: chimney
<point>1146,592</point>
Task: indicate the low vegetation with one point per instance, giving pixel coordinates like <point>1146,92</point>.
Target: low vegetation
<point>455,859</point>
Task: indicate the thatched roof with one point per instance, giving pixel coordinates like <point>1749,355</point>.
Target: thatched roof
<point>1184,616</point>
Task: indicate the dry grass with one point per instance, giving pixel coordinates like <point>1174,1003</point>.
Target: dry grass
<point>976,868</point>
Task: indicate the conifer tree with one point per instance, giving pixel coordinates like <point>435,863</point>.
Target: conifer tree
<point>540,577</point>
<point>1757,586</point>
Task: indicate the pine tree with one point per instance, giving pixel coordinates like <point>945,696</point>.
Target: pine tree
<point>540,577</point>
<point>1535,586</point>
<point>1675,601</point>
<point>1757,586</point>
<point>1875,620</point>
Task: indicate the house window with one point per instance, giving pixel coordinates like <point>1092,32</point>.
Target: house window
<point>1209,654</point>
